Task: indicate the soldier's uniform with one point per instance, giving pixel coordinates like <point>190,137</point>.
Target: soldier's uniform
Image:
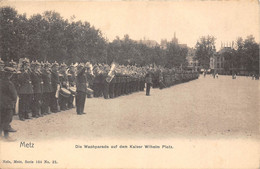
<point>25,91</point>
<point>8,97</point>
<point>112,88</point>
<point>156,79</point>
<point>64,84</point>
<point>137,83</point>
<point>161,84</point>
<point>123,81</point>
<point>81,85</point>
<point>47,89</point>
<point>90,78</point>
<point>148,80</point>
<point>55,81</point>
<point>2,64</point>
<point>119,87</point>
<point>14,79</point>
<point>72,83</point>
<point>37,90</point>
<point>177,77</point>
<point>97,84</point>
<point>117,81</point>
<point>105,84</point>
<point>142,85</point>
<point>131,84</point>
<point>127,84</point>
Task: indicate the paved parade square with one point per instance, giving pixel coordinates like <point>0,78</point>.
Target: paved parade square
<point>204,108</point>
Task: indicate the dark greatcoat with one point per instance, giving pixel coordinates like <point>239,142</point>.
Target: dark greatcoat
<point>54,80</point>
<point>25,83</point>
<point>81,81</point>
<point>37,82</point>
<point>47,85</point>
<point>8,93</point>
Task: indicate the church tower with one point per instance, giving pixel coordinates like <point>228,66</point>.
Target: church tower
<point>175,40</point>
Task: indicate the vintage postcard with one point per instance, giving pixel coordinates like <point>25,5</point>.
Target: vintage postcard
<point>129,84</point>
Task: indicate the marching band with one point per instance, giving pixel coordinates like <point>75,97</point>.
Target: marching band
<point>45,88</point>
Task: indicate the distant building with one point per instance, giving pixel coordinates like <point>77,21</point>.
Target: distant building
<point>217,62</point>
<point>174,39</point>
<point>220,64</point>
<point>164,42</point>
<point>149,43</point>
<point>192,63</point>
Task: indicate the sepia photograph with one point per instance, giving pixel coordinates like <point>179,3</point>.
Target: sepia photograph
<point>129,84</point>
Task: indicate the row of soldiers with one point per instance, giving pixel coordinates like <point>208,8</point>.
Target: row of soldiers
<point>116,80</point>
<point>37,85</point>
<point>123,80</point>
<point>129,79</point>
<point>44,88</point>
<point>165,77</point>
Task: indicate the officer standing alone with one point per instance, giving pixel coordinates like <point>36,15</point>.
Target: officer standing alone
<point>81,85</point>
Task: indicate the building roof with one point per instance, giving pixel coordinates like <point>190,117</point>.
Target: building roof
<point>225,49</point>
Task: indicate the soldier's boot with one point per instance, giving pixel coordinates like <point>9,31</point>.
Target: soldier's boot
<point>1,136</point>
<point>21,116</point>
<point>34,114</point>
<point>27,115</point>
<point>7,137</point>
<point>66,100</point>
<point>48,110</point>
<point>14,112</point>
<point>38,113</point>
<point>10,129</point>
<point>63,106</point>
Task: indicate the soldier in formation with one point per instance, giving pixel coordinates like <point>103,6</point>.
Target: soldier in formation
<point>25,90</point>
<point>72,85</point>
<point>64,98</point>
<point>37,89</point>
<point>55,82</point>
<point>8,96</point>
<point>45,88</point>
<point>38,86</point>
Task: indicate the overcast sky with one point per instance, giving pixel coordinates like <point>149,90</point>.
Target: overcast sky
<point>226,20</point>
